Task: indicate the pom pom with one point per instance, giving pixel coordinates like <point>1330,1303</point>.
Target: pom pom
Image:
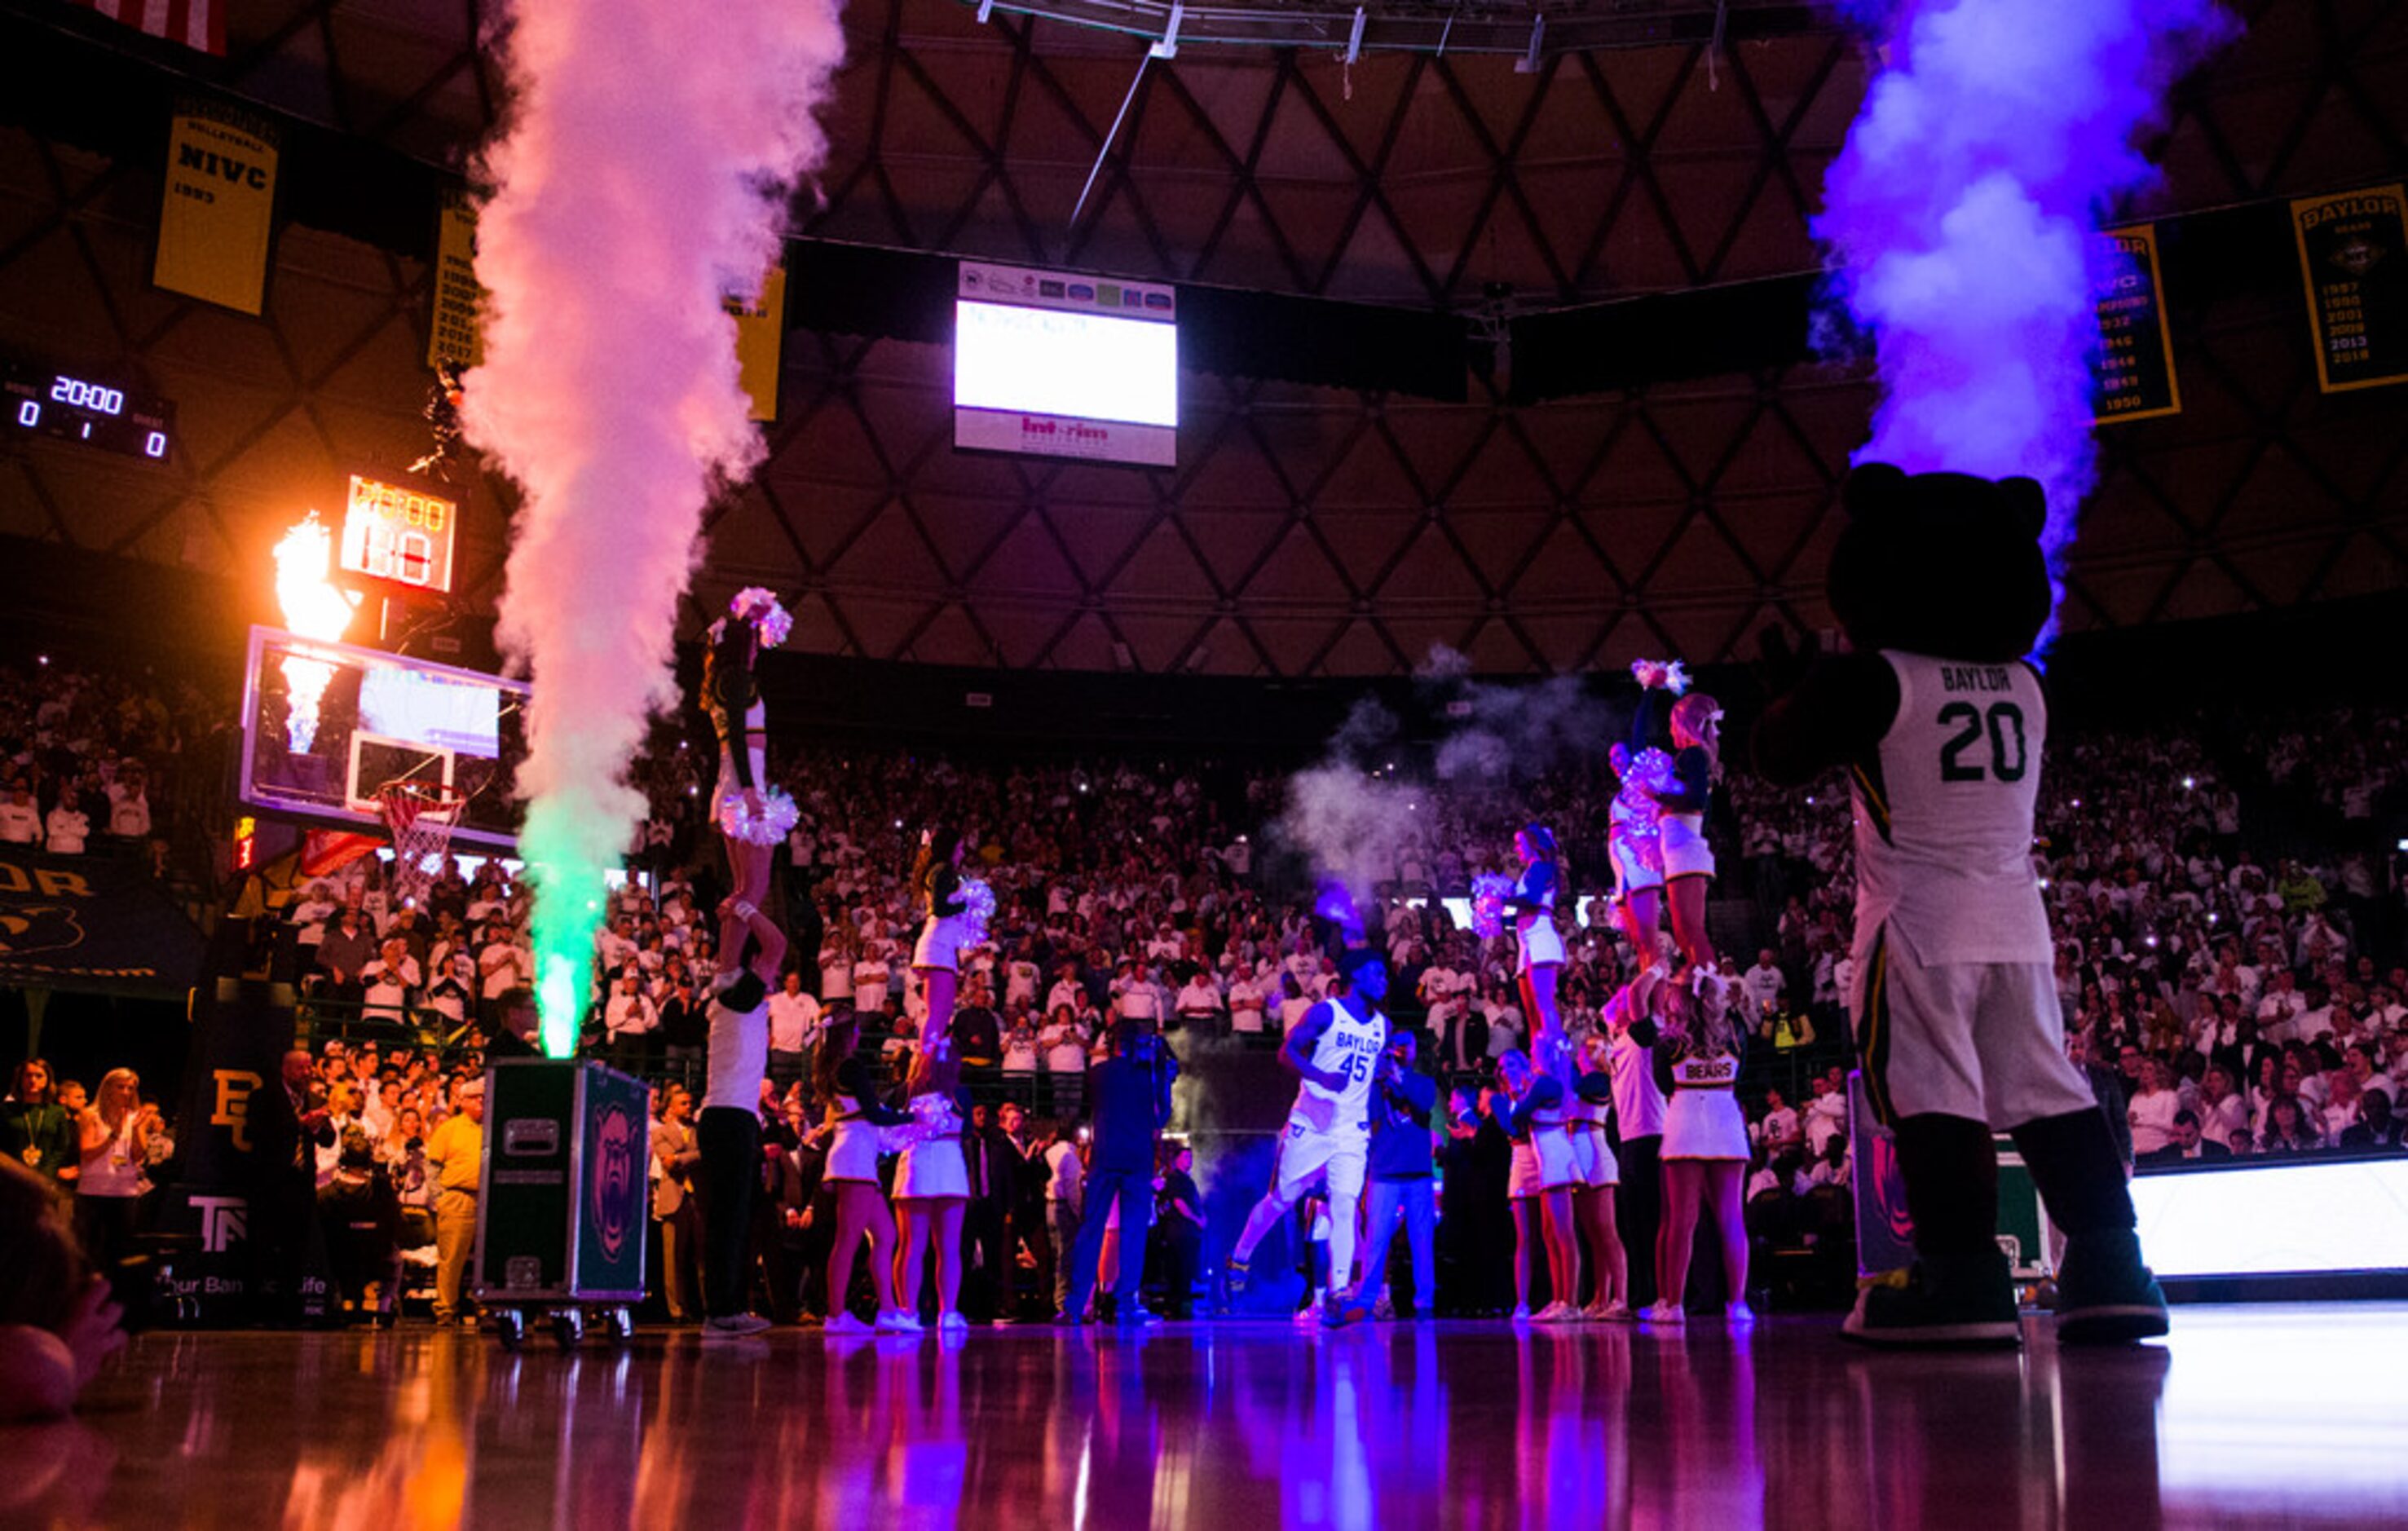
<point>1488,892</point>
<point>978,910</point>
<point>759,606</point>
<point>1666,673</point>
<point>771,825</point>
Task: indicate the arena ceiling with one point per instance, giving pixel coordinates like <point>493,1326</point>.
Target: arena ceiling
<point>1308,530</point>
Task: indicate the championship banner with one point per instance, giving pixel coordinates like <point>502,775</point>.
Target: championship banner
<point>458,331</point>
<point>93,925</point>
<point>2354,260</point>
<point>215,225</point>
<point>760,336</point>
<point>2135,375</point>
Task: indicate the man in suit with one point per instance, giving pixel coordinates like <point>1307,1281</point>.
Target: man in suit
<point>2184,1143</point>
<point>676,1152</point>
<point>286,1129</point>
<point>994,1163</point>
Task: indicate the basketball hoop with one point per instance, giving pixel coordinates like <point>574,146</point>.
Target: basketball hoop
<point>420,816</point>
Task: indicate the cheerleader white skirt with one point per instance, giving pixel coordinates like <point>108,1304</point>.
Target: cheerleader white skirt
<point>940,944</point>
<point>853,1155</point>
<point>1704,1125</point>
<point>1638,864</point>
<point>1682,838</point>
<point>1544,1163</point>
<point>1593,1162</point>
<point>1543,945</point>
<point>1522,1181</point>
<point>933,1170</point>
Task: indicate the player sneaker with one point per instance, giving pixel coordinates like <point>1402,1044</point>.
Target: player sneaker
<point>1385,1311</point>
<point>843,1323</point>
<point>1235,1278</point>
<point>1340,1308</point>
<point>897,1322</point>
<point>733,1325</point>
<point>2105,1295</point>
<point>1961,1302</point>
<point>1666,1312</point>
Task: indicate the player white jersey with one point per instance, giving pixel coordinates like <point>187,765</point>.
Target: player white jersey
<point>1350,1047</point>
<point>1943,829</point>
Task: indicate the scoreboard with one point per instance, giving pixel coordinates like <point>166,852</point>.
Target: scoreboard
<point>399,534</point>
<point>62,406</point>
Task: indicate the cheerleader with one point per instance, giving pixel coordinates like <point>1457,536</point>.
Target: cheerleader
<point>932,1182</point>
<point>752,816</point>
<point>1688,859</point>
<point>1596,1179</point>
<point>1644,767</point>
<point>855,1118</point>
<point>1540,956</point>
<point>1532,1116</point>
<point>937,889</point>
<point>1705,1153</point>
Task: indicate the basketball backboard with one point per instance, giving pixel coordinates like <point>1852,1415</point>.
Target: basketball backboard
<point>378,718</point>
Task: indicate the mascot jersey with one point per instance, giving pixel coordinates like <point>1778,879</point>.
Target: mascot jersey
<point>1350,1046</point>
<point>1944,820</point>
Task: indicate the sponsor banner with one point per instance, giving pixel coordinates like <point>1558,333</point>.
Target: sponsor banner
<point>458,331</point>
<point>760,338</point>
<point>91,923</point>
<point>1072,290</point>
<point>2354,260</point>
<point>218,217</point>
<point>1050,435</point>
<point>2135,371</point>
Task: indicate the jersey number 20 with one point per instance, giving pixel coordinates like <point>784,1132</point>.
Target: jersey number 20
<point>2004,725</point>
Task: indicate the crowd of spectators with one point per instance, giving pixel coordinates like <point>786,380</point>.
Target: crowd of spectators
<point>2230,1005</point>
<point>89,759</point>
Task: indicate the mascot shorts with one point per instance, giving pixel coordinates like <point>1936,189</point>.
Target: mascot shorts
<point>1981,1040</point>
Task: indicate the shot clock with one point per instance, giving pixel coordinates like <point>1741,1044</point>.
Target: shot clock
<point>67,407</point>
<point>397,533</point>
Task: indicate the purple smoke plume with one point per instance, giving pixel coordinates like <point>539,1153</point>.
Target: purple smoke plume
<point>1994,139</point>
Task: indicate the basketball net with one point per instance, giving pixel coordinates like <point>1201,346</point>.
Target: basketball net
<point>420,816</point>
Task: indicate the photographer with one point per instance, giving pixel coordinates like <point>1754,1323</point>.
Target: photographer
<point>1131,1093</point>
<point>1402,1187</point>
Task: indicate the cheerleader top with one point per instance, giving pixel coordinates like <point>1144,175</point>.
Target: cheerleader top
<point>853,1100</point>
<point>944,892</point>
<point>1534,892</point>
<point>1539,1107</point>
<point>729,693</point>
<point>1679,1069</point>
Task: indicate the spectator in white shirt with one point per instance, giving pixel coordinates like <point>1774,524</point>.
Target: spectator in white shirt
<point>68,827</point>
<point>1198,1005</point>
<point>629,1017</point>
<point>1764,983</point>
<point>1246,1002</point>
<point>21,822</point>
<point>129,805</point>
<point>794,1029</point>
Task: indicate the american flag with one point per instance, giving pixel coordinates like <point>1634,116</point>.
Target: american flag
<point>195,23</point>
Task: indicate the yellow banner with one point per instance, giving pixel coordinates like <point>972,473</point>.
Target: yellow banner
<point>2354,261</point>
<point>219,214</point>
<point>2134,378</point>
<point>760,338</point>
<point>458,331</point>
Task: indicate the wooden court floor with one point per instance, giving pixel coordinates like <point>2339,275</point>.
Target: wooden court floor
<point>2269,1415</point>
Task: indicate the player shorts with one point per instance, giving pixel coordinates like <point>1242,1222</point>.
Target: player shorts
<point>1981,1040</point>
<point>1305,1155</point>
<point>1682,838</point>
<point>1593,1162</point>
<point>940,945</point>
<point>1541,945</point>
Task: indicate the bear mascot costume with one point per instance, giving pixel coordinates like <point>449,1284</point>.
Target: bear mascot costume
<point>1940,585</point>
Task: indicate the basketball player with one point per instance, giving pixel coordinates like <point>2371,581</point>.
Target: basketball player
<point>1335,1049</point>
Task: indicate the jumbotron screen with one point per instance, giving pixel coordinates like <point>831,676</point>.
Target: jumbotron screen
<point>1051,364</point>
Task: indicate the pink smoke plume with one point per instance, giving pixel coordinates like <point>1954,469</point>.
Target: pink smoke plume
<point>1991,144</point>
<point>642,175</point>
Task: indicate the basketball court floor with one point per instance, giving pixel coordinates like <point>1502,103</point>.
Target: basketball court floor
<point>2257,1415</point>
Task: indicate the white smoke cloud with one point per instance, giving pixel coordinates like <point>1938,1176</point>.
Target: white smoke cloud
<point>642,174</point>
